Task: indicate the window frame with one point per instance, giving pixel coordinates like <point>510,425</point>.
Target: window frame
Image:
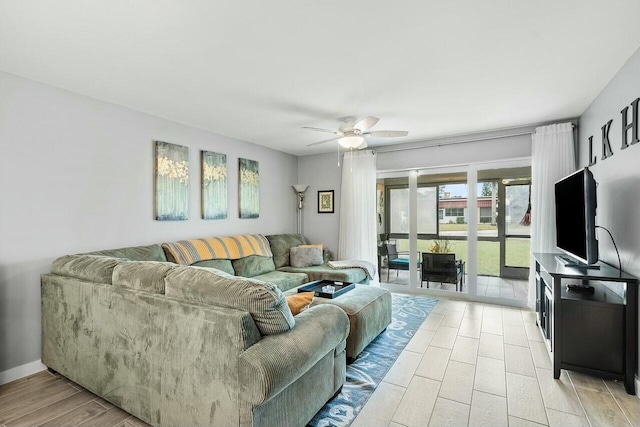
<point>420,236</point>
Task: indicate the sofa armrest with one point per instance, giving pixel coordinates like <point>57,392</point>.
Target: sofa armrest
<point>270,365</point>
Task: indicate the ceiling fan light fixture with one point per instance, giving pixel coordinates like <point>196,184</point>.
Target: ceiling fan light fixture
<point>352,141</point>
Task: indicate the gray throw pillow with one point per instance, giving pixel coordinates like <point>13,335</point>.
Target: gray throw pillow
<point>306,257</point>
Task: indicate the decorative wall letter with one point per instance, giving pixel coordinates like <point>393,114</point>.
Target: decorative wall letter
<point>633,125</point>
<point>606,145</point>
<point>592,158</point>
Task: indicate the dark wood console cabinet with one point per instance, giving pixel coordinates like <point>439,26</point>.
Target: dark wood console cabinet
<point>592,333</point>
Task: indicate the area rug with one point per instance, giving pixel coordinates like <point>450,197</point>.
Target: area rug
<point>368,370</point>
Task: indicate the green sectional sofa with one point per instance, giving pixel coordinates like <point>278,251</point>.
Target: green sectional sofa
<point>275,269</point>
<point>281,244</point>
<point>195,345</point>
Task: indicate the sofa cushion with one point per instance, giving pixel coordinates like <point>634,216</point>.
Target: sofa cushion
<point>219,264</point>
<point>280,246</point>
<point>299,302</point>
<point>324,272</point>
<point>283,280</point>
<point>264,301</point>
<point>301,256</point>
<point>93,268</point>
<point>135,253</point>
<point>253,265</point>
<point>315,245</point>
<point>142,275</point>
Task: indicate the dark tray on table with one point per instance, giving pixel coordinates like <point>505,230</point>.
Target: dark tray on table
<point>316,288</point>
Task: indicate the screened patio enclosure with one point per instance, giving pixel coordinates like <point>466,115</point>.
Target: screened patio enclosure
<point>501,216</point>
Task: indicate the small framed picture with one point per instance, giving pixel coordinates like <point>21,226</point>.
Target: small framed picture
<point>325,201</point>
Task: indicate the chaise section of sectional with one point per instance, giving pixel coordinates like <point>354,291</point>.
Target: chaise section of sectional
<point>281,245</point>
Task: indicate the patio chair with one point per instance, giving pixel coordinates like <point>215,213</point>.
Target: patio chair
<point>443,268</point>
<point>394,261</point>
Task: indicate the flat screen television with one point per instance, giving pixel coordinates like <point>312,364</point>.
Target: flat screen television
<point>576,217</point>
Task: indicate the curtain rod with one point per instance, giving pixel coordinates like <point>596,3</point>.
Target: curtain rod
<point>463,141</point>
<point>443,144</point>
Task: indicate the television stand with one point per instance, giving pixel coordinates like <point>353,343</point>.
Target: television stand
<point>595,333</point>
<point>570,262</point>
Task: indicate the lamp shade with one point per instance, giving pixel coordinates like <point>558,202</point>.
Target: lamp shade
<point>300,188</point>
<point>354,141</point>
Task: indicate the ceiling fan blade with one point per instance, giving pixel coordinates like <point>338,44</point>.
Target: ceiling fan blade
<point>322,142</point>
<point>386,133</point>
<point>319,129</point>
<point>366,123</point>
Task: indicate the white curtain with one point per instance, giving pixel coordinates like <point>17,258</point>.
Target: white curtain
<point>553,158</point>
<point>357,238</point>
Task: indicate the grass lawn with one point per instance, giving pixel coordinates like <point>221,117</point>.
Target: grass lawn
<point>488,253</point>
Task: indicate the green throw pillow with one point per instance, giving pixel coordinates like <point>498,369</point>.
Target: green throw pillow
<point>280,246</point>
<point>219,264</point>
<point>253,265</point>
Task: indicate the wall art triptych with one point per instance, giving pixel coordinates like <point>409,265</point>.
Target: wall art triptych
<point>172,184</point>
<point>249,191</point>
<point>214,185</point>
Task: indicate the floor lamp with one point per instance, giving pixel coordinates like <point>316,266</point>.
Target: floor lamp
<point>300,189</point>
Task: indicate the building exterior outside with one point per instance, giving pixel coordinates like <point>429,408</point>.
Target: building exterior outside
<point>454,210</point>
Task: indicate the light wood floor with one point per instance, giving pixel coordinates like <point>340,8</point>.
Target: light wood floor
<point>468,365</point>
<point>46,399</point>
<point>484,365</point>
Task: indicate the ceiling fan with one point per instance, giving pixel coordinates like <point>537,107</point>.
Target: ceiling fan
<point>352,132</point>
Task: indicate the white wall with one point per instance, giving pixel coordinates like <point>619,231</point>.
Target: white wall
<point>457,154</point>
<point>321,172</point>
<point>618,176</point>
<point>76,175</point>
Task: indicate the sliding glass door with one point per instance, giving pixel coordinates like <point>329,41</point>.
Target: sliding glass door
<point>428,213</point>
<point>504,233</point>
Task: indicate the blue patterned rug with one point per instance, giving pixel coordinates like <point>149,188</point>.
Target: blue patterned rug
<point>364,375</point>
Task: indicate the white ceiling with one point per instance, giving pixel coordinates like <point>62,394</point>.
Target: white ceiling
<point>259,70</point>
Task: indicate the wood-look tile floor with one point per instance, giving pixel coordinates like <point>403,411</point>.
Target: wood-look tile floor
<point>469,364</point>
<point>489,286</point>
<point>472,364</point>
<point>47,399</point>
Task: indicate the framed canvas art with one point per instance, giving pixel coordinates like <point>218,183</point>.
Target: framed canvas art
<point>325,201</point>
<point>171,182</point>
<point>249,189</point>
<point>214,185</point>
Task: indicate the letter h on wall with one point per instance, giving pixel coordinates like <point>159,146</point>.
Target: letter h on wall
<point>633,125</point>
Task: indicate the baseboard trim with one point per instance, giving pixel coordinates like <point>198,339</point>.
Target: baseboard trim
<point>21,371</point>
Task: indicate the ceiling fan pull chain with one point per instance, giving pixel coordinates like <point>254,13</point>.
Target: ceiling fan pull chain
<point>351,158</point>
